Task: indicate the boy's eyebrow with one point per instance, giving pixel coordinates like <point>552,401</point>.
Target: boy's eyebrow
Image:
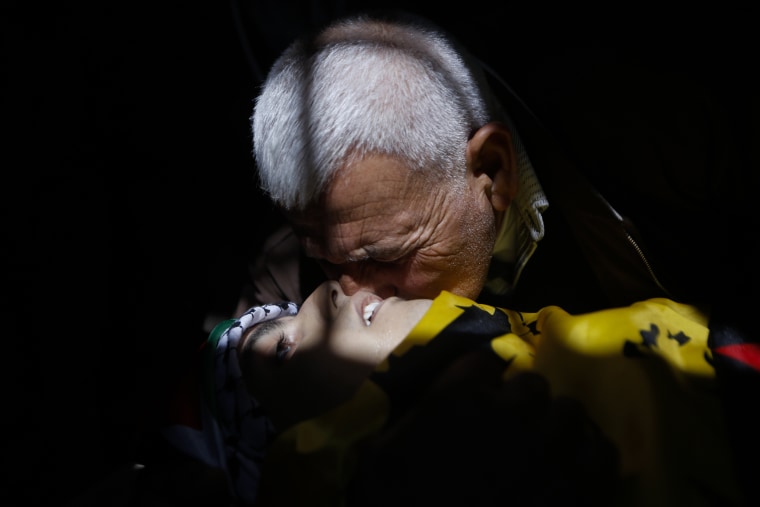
<point>260,330</point>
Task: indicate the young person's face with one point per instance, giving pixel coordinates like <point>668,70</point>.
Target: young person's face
<point>303,365</point>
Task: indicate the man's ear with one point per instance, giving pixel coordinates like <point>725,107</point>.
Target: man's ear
<point>491,155</point>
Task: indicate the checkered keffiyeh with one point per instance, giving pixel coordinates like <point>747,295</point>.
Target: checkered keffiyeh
<point>229,430</point>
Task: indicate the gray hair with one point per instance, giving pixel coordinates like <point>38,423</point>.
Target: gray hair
<point>363,86</point>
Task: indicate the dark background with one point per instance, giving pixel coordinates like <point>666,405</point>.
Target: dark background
<point>129,202</point>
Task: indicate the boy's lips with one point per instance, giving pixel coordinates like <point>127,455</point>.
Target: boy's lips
<point>367,307</point>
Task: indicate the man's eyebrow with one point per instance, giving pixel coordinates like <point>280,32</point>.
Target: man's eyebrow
<point>260,330</point>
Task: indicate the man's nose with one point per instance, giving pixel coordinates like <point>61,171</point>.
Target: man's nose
<point>354,277</point>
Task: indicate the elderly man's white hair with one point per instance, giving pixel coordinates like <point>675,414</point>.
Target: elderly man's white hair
<point>363,86</point>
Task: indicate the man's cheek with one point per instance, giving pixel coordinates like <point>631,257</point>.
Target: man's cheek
<point>423,284</point>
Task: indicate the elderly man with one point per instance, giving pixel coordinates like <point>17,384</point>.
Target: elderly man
<point>400,171</point>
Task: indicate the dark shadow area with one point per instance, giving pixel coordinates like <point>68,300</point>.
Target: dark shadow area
<point>130,208</point>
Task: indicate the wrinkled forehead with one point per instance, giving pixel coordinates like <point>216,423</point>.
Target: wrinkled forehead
<point>376,207</point>
<point>372,186</point>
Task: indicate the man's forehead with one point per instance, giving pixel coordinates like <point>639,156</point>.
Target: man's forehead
<point>335,233</point>
<point>373,170</point>
<point>371,203</point>
<point>368,192</point>
<point>346,240</point>
<point>355,218</point>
